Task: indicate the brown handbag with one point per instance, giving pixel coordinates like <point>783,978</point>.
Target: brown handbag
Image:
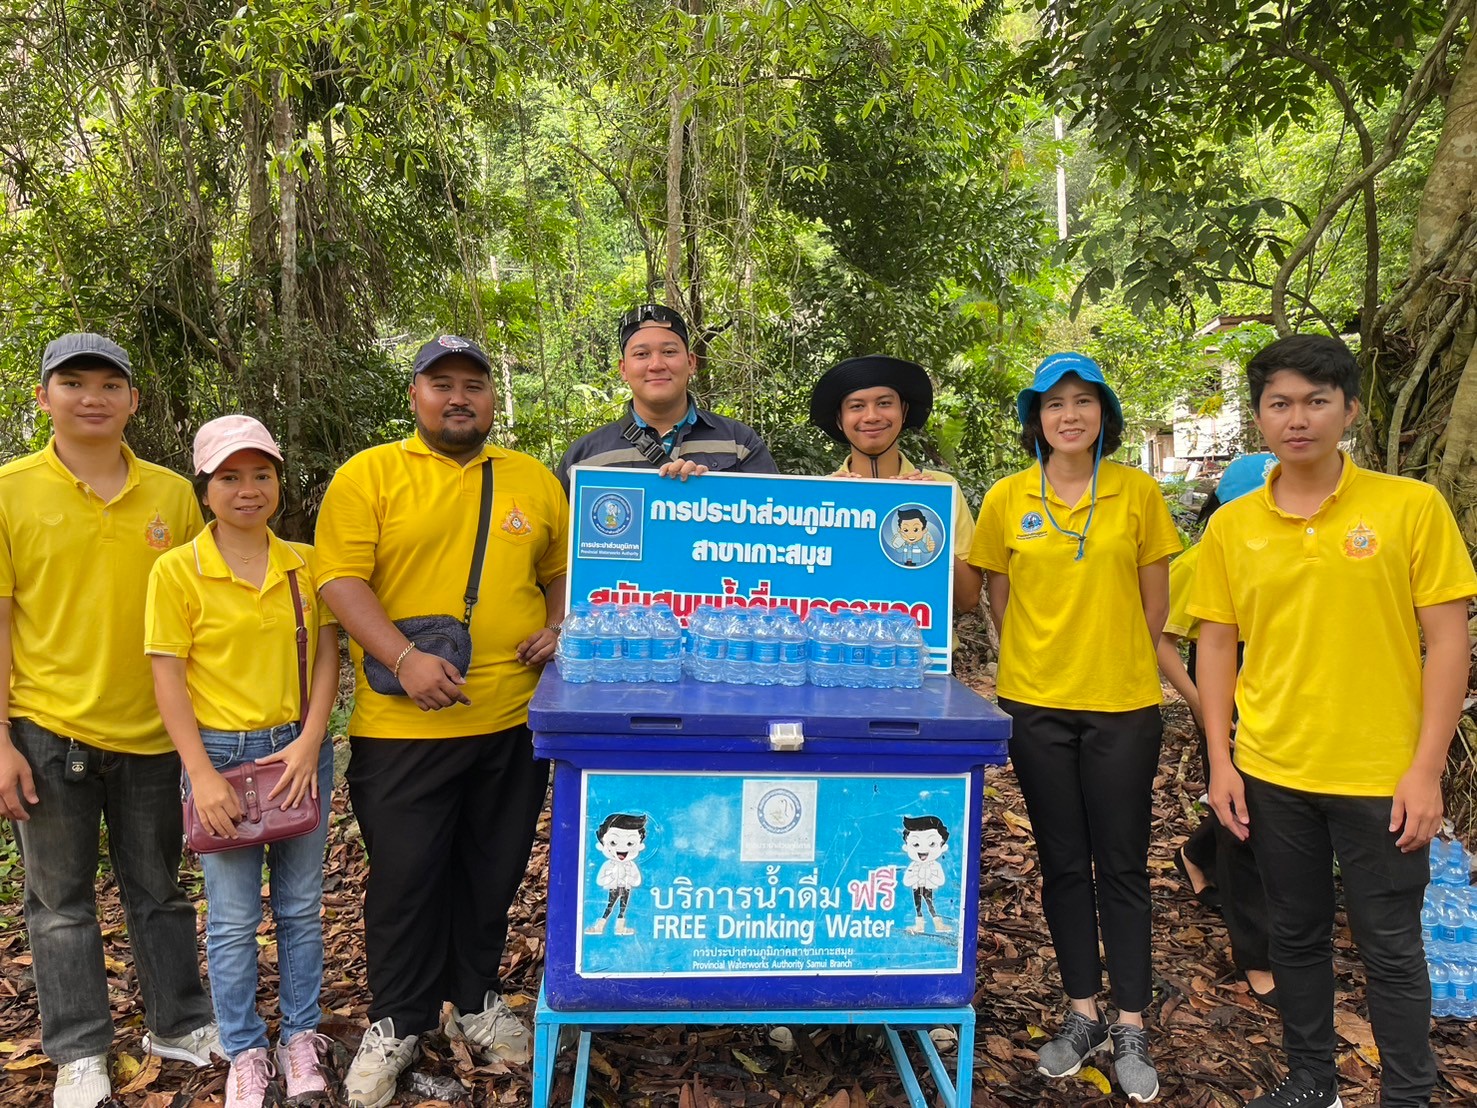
<point>262,822</point>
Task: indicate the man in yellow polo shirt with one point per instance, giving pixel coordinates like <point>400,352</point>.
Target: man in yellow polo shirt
<point>81,523</point>
<point>1332,575</point>
<point>443,778</point>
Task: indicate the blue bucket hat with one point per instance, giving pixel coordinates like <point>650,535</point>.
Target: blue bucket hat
<point>1052,370</point>
<point>1243,475</point>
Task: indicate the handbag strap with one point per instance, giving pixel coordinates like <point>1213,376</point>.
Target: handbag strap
<point>302,649</point>
<point>484,524</point>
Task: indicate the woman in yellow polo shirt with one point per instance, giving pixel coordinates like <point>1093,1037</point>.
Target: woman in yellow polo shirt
<point>1076,551</point>
<point>220,625</point>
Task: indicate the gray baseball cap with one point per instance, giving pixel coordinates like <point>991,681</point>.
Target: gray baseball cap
<point>83,344</point>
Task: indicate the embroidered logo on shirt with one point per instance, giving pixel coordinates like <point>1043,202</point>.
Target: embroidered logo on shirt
<point>515,522</point>
<point>1258,543</point>
<point>157,533</point>
<point>1032,525</point>
<point>1361,542</point>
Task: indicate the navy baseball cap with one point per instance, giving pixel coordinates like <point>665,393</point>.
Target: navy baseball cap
<point>1052,370</point>
<point>446,345</point>
<point>648,315</point>
<point>84,345</point>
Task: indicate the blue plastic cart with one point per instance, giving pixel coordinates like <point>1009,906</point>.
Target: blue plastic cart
<point>733,854</point>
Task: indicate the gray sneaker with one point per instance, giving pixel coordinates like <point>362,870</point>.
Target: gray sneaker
<point>494,1032</point>
<point>1132,1065</point>
<point>1079,1038</point>
<point>196,1047</point>
<point>376,1068</point>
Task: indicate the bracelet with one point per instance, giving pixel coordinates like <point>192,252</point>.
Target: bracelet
<point>555,627</point>
<point>395,669</point>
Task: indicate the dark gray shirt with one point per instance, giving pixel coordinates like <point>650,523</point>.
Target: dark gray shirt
<point>722,444</point>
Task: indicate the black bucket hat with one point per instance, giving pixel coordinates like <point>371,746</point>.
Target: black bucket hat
<point>909,379</point>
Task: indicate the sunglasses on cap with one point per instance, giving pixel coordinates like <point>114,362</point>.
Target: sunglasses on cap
<point>651,313</point>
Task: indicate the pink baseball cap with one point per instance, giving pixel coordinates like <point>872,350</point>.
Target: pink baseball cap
<point>220,438</point>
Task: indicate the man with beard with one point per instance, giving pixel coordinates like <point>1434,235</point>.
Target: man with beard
<point>443,777</point>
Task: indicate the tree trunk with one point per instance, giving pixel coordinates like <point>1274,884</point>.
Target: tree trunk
<point>284,133</point>
<point>675,133</point>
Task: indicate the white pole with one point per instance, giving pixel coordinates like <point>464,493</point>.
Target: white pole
<point>1061,183</point>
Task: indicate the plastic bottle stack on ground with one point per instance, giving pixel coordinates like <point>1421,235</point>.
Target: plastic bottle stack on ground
<point>1449,929</point>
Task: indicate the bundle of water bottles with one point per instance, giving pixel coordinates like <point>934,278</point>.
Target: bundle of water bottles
<point>611,642</point>
<point>1449,928</point>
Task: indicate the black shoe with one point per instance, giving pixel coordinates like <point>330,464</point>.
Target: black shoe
<point>1300,1090</point>
<point>1209,895</point>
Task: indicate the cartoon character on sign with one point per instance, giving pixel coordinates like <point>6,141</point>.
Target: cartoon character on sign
<point>911,538</point>
<point>620,838</point>
<point>925,840</point>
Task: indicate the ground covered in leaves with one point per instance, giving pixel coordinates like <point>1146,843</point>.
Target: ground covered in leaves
<point>1213,1044</point>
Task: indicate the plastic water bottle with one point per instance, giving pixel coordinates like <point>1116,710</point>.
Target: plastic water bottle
<point>666,644</point>
<point>1458,865</point>
<point>1463,995</point>
<point>1437,855</point>
<point>1430,922</point>
<point>609,666</point>
<point>737,665</point>
<point>1442,993</point>
<point>824,633</point>
<point>764,665</point>
<point>882,654</point>
<point>794,648</point>
<point>912,659</point>
<point>576,652</point>
<point>1452,918</point>
<point>635,645</point>
<point>854,643</point>
<point>709,648</point>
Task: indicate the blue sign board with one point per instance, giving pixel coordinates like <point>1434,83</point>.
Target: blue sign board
<point>762,541</point>
<point>688,874</point>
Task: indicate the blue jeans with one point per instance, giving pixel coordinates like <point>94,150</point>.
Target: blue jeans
<point>233,887</point>
<point>138,796</point>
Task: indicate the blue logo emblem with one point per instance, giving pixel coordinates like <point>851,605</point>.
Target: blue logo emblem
<point>1032,522</point>
<point>611,515</point>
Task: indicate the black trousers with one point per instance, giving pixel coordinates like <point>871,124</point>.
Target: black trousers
<point>1233,863</point>
<point>1087,778</point>
<point>448,825</point>
<point>1243,900</point>
<point>1296,835</point>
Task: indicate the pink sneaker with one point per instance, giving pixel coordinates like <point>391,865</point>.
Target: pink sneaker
<point>300,1063</point>
<point>246,1084</point>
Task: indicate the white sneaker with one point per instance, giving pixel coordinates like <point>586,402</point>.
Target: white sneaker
<point>375,1070</point>
<point>195,1047</point>
<point>246,1084</point>
<point>495,1032</point>
<point>83,1083</point>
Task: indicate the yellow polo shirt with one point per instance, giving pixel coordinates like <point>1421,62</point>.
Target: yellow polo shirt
<point>239,642</point>
<point>1329,692</point>
<point>76,569</point>
<point>1181,580</point>
<point>404,519</point>
<point>1074,634</point>
<point>963,518</point>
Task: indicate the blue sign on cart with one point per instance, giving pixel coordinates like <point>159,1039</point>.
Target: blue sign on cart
<point>762,541</point>
<point>740,875</point>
